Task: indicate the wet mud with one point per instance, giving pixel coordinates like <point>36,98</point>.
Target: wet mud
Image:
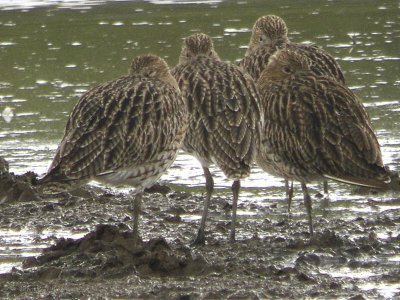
<point>272,258</point>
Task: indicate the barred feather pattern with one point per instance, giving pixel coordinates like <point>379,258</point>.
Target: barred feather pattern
<point>316,127</point>
<point>125,131</point>
<point>256,62</point>
<point>224,114</point>
<point>322,63</point>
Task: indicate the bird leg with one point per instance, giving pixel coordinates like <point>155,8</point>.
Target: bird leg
<point>326,187</point>
<point>235,191</point>
<point>137,203</point>
<point>307,204</point>
<point>201,238</point>
<point>289,194</point>
<point>325,199</point>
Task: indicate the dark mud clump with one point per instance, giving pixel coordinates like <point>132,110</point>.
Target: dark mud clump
<point>109,252</point>
<point>16,188</point>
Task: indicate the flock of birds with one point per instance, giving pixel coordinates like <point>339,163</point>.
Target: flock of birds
<point>284,106</point>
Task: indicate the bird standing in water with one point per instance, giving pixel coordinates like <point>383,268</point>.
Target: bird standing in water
<point>224,117</point>
<point>269,34</point>
<point>123,132</point>
<point>315,128</point>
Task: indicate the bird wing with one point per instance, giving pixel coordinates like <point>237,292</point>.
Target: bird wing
<point>225,114</point>
<point>322,63</point>
<point>256,62</point>
<point>318,126</point>
<point>116,125</point>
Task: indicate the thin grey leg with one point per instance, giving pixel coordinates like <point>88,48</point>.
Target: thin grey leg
<point>136,214</point>
<point>325,199</point>
<point>201,238</point>
<point>289,194</point>
<point>235,191</point>
<point>326,187</point>
<point>307,204</point>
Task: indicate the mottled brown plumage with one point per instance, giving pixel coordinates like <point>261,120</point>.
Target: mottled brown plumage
<point>123,132</point>
<point>225,116</point>
<point>270,34</point>
<point>315,128</point>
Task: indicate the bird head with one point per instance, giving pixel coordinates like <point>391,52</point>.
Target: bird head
<point>198,44</point>
<point>268,31</point>
<point>148,65</point>
<point>152,67</point>
<point>284,64</point>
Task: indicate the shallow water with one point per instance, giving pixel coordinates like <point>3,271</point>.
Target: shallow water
<point>16,245</point>
<point>51,52</point>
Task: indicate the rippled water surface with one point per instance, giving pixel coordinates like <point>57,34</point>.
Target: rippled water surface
<point>51,52</point>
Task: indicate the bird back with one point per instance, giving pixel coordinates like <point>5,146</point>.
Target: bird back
<point>319,127</point>
<point>119,124</point>
<point>224,111</point>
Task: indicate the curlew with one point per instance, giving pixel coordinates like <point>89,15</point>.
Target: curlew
<point>269,34</point>
<point>123,132</point>
<point>224,117</point>
<point>315,128</point>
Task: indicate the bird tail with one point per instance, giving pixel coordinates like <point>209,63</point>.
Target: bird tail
<point>54,183</point>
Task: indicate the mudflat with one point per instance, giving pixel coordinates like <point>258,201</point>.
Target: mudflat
<point>273,259</point>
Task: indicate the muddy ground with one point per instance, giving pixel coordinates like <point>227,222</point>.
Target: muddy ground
<point>272,258</point>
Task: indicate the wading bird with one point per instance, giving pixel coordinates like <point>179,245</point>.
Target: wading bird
<point>224,117</point>
<point>123,132</point>
<point>269,34</point>
<point>315,128</point>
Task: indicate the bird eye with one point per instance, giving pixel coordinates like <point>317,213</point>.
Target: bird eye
<point>286,70</point>
<point>261,39</point>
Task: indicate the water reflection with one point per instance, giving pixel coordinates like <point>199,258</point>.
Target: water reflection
<point>15,245</point>
<point>8,114</point>
<point>184,1</point>
<point>29,4</point>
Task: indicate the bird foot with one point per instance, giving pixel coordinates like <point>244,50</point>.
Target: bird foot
<point>232,238</point>
<point>200,239</point>
<point>137,241</point>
